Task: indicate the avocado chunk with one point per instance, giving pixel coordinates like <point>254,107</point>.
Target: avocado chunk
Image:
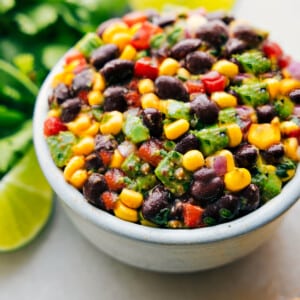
<point>212,139</point>
<point>284,107</point>
<point>171,173</point>
<point>253,94</point>
<point>135,130</point>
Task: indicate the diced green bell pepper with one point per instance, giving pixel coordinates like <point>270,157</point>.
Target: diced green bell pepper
<point>283,107</point>
<point>88,44</point>
<point>178,110</point>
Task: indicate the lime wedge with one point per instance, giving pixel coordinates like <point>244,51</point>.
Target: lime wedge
<point>25,203</point>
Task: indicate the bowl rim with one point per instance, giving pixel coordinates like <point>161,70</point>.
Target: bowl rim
<point>75,200</point>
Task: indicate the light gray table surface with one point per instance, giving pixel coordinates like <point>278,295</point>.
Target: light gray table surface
<point>61,264</point>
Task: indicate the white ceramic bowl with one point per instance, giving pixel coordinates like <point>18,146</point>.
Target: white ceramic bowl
<point>167,250</point>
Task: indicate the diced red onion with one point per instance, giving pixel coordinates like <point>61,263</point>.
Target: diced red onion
<point>294,69</point>
<point>126,148</point>
<point>220,165</point>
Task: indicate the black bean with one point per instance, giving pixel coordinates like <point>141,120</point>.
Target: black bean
<point>198,62</point>
<point>94,162</point>
<point>61,93</point>
<point>176,210</point>
<point>106,24</point>
<point>187,143</point>
<point>105,142</point>
<point>249,198</point>
<point>118,71</point>
<point>210,215</point>
<point>214,32</point>
<point>273,154</point>
<point>295,95</point>
<point>234,46</point>
<point>114,99</point>
<point>229,206</point>
<point>152,118</point>
<point>70,109</point>
<point>206,110</point>
<point>184,47</point>
<point>82,81</point>
<point>156,200</point>
<point>247,34</point>
<point>220,15</point>
<point>207,186</point>
<point>204,174</point>
<point>103,54</point>
<point>168,87</point>
<point>160,53</point>
<point>265,113</point>
<point>246,156</point>
<point>94,187</point>
<point>166,20</point>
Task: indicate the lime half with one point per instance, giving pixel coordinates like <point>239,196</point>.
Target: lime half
<point>25,203</point>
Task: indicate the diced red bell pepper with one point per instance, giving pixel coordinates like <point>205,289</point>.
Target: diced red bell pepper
<point>73,55</point>
<point>194,87</point>
<point>272,49</point>
<point>149,151</point>
<point>284,61</point>
<point>145,67</point>
<point>192,215</point>
<point>106,156</point>
<point>141,39</point>
<point>133,98</point>
<point>294,133</point>
<point>109,200</point>
<point>53,126</point>
<point>115,179</point>
<point>135,17</point>
<point>213,82</point>
<point>83,95</point>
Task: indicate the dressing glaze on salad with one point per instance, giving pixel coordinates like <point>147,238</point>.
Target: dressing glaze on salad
<point>180,120</point>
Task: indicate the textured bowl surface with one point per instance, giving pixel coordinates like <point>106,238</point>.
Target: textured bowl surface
<point>168,250</point>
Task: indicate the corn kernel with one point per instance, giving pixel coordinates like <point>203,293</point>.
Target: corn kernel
<point>99,82</point>
<point>229,159</point>
<point>126,213</point>
<point>287,127</point>
<point>264,135</point>
<point>291,148</point>
<point>184,73</point>
<point>111,123</point>
<point>148,223</point>
<point>121,40</point>
<point>116,160</point>
<point>55,112</point>
<point>290,174</point>
<point>288,84</point>
<point>85,146</point>
<point>91,131</point>
<point>176,129</point>
<point>111,30</point>
<point>192,160</point>
<point>273,86</point>
<point>134,28</point>
<point>169,67</point>
<point>163,106</point>
<point>63,77</point>
<point>146,86</point>
<point>226,68</point>
<point>234,134</point>
<point>81,123</point>
<point>237,179</point>
<point>74,164</point>
<point>78,178</point>
<point>224,99</point>
<point>95,97</point>
<point>128,53</point>
<point>131,198</point>
<point>150,100</point>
